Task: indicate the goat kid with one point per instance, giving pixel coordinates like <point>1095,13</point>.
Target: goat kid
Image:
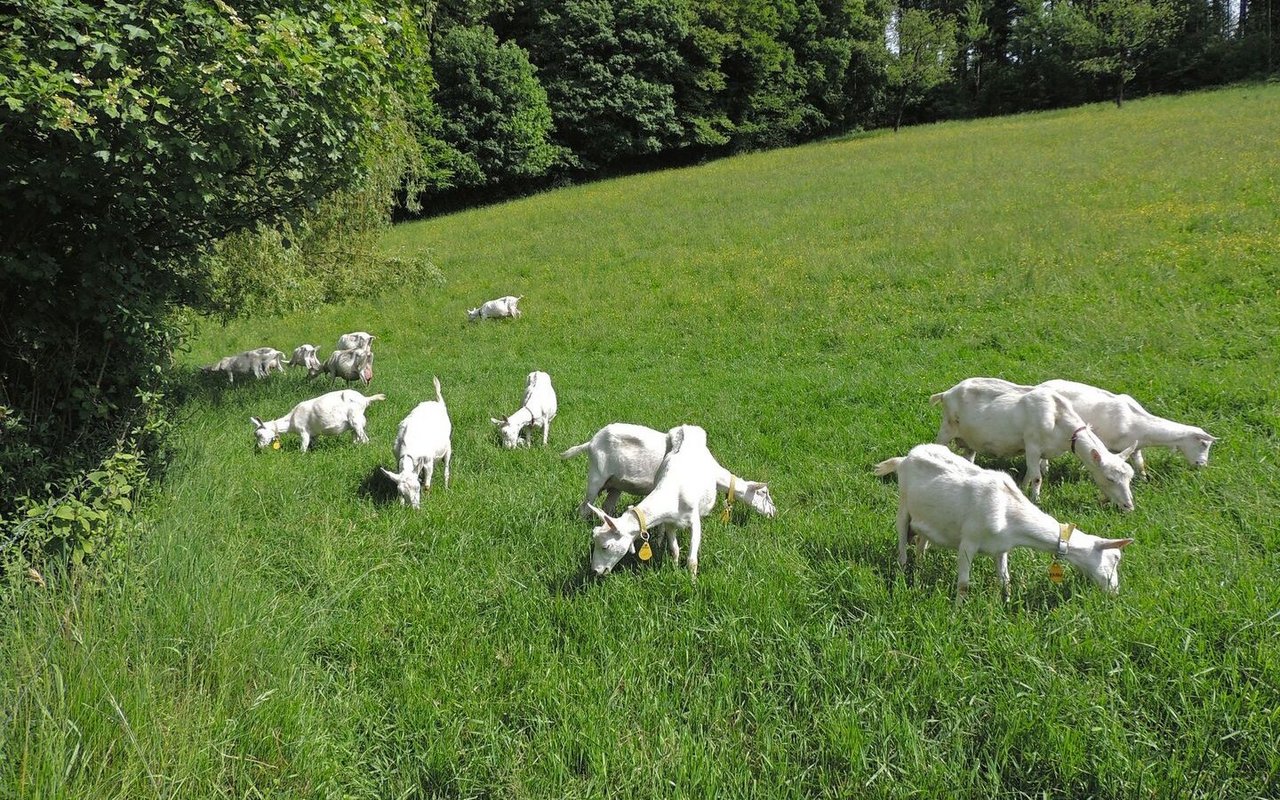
<point>350,365</point>
<point>304,355</point>
<point>683,493</point>
<point>327,415</point>
<point>963,507</point>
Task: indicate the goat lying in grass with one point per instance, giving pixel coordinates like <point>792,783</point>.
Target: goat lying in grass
<point>496,309</point>
<point>327,415</point>
<point>958,505</point>
<point>999,418</point>
<point>683,493</point>
<point>256,363</point>
<point>625,458</point>
<point>1118,419</point>
<point>423,438</point>
<point>538,408</point>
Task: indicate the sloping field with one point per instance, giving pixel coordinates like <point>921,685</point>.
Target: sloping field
<point>285,630</point>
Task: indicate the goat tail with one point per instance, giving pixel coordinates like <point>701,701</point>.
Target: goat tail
<point>374,398</point>
<point>436,382</point>
<point>576,449</point>
<point>936,399</point>
<point>888,466</point>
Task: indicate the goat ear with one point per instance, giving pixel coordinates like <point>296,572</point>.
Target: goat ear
<point>256,422</point>
<point>497,421</point>
<point>1209,437</point>
<point>757,486</point>
<point>389,473</point>
<point>1128,451</point>
<point>1113,544</point>
<point>1097,457</point>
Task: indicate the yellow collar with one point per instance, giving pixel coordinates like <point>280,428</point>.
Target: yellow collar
<point>1064,536</point>
<point>644,524</point>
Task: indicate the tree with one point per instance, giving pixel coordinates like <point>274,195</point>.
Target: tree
<point>1112,37</point>
<point>135,135</point>
<point>495,113</point>
<point>922,46</point>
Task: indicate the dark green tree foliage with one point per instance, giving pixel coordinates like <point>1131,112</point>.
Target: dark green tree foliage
<point>134,135</point>
<point>609,68</point>
<point>496,120</point>
<point>1112,37</point>
<point>925,45</point>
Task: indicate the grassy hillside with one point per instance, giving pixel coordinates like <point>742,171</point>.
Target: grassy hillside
<point>284,630</point>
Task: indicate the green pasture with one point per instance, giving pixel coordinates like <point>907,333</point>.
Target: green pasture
<point>283,628</point>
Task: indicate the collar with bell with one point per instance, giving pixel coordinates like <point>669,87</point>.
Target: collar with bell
<point>1064,536</point>
<point>645,552</point>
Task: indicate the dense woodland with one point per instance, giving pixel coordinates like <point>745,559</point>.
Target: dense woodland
<point>173,158</point>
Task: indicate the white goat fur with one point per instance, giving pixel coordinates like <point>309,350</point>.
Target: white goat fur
<point>958,505</point>
<point>355,364</point>
<point>355,341</point>
<point>328,415</point>
<point>683,493</point>
<point>999,418</point>
<point>625,458</point>
<point>1118,420</point>
<point>495,309</point>
<point>538,408</point>
<point>304,355</point>
<point>423,439</point>
<point>258,363</point>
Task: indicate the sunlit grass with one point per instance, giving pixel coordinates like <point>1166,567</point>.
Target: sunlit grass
<point>284,630</point>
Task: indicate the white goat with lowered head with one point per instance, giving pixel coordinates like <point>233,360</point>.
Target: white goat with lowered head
<point>625,458</point>
<point>1119,419</point>
<point>304,355</point>
<point>496,309</point>
<point>355,364</point>
<point>998,418</point>
<point>423,438</point>
<point>257,363</point>
<point>961,506</point>
<point>355,340</point>
<point>683,493</point>
<point>538,408</point>
<point>327,415</point>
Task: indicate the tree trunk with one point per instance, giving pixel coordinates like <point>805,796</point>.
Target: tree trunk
<point>1120,89</point>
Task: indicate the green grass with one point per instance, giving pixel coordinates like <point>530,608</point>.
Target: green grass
<point>282,630</point>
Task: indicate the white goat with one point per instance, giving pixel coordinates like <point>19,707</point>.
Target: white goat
<point>958,505</point>
<point>329,415</point>
<point>494,309</point>
<point>304,355</point>
<point>988,416</point>
<point>257,362</point>
<point>351,365</point>
<point>538,408</point>
<point>423,438</point>
<point>625,458</point>
<point>682,495</point>
<point>1119,419</point>
<point>355,341</point>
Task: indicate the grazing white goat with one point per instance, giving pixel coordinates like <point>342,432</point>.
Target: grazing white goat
<point>329,415</point>
<point>423,438</point>
<point>989,417</point>
<point>495,309</point>
<point>350,365</point>
<point>961,506</point>
<point>1119,419</point>
<point>304,355</point>
<point>625,458</point>
<point>538,408</point>
<point>684,493</point>
<point>355,341</point>
<point>256,362</point>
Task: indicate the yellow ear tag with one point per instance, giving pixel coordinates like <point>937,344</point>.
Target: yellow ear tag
<point>275,444</point>
<point>646,552</point>
<point>1055,572</point>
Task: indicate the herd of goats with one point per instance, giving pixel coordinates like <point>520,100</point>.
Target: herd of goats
<point>943,497</point>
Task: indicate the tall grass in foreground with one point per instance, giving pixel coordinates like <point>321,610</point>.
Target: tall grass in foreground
<point>285,630</point>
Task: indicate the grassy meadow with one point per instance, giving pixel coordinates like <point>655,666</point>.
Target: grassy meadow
<point>283,628</point>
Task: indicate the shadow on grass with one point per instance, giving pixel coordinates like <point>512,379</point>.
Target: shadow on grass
<point>378,488</point>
